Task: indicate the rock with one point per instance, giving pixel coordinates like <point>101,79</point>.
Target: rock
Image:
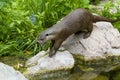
<point>8,73</point>
<point>104,41</point>
<point>88,76</point>
<point>42,66</point>
<point>34,60</point>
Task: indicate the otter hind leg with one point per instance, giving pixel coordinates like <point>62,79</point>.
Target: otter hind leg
<point>54,48</point>
<point>89,30</point>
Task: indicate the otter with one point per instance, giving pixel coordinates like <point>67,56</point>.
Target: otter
<point>76,21</point>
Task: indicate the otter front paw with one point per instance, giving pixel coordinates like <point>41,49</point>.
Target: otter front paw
<point>51,54</point>
<point>86,35</point>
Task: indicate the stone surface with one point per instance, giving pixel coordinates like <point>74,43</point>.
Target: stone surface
<point>8,73</point>
<point>104,41</point>
<point>34,60</point>
<point>41,67</point>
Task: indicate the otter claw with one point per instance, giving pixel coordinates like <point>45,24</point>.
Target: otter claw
<point>51,54</point>
<point>86,35</point>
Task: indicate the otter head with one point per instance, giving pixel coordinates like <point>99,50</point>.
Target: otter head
<point>45,36</point>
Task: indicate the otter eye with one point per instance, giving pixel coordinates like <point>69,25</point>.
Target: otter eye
<point>47,34</point>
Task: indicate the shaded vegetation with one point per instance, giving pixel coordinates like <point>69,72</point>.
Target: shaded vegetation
<point>21,21</point>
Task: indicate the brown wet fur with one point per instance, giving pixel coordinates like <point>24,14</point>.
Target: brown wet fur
<point>76,21</point>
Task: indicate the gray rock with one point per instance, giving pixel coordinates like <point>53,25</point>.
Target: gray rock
<point>42,67</point>
<point>8,73</point>
<point>104,41</point>
<point>34,60</point>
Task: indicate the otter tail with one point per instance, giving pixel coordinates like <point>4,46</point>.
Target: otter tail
<point>97,18</point>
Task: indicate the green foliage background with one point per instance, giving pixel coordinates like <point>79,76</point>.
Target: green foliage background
<point>21,21</point>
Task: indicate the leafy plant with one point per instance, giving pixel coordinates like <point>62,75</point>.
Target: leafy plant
<point>112,10</point>
<point>95,1</point>
<point>21,21</point>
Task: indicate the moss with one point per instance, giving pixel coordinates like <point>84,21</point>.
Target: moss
<point>49,75</point>
<point>79,59</point>
<point>117,76</point>
<point>101,77</point>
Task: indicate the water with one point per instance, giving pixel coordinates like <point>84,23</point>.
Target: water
<point>102,70</point>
